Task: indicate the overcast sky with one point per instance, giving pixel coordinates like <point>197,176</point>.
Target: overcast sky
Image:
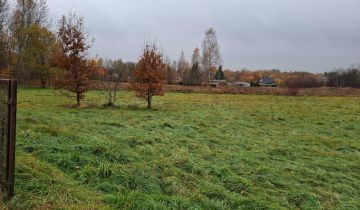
<point>312,35</point>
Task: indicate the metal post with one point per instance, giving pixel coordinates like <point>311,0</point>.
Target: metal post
<point>8,134</point>
<point>12,136</point>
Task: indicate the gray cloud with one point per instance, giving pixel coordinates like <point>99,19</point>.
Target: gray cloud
<point>258,34</point>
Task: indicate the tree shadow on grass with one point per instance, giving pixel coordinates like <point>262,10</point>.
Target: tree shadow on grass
<point>81,107</point>
<point>142,107</point>
<point>137,107</point>
<point>125,107</point>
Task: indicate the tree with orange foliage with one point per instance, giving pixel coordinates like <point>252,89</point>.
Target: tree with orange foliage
<point>148,77</point>
<point>71,58</point>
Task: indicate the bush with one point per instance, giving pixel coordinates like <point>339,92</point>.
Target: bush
<point>302,80</point>
<point>292,91</point>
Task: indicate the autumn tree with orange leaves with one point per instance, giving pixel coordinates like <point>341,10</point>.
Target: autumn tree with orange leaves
<point>148,77</point>
<point>71,58</point>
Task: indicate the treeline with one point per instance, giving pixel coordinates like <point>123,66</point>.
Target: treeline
<point>31,49</point>
<point>26,41</point>
<point>344,77</point>
<point>30,46</point>
<point>282,79</point>
<point>204,66</point>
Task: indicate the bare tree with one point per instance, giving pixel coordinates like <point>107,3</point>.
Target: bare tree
<point>4,11</point>
<point>28,12</point>
<point>211,52</point>
<point>183,67</point>
<point>110,82</point>
<point>170,71</point>
<point>342,77</point>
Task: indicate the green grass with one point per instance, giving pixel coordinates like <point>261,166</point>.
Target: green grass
<point>192,151</point>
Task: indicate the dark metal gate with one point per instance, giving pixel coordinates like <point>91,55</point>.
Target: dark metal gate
<point>8,92</point>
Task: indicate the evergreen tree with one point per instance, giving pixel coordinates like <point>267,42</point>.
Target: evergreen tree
<point>195,74</point>
<point>220,74</point>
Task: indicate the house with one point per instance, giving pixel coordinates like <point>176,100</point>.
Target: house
<point>267,82</point>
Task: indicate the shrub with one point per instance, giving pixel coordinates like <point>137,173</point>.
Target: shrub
<point>293,91</point>
<point>302,80</point>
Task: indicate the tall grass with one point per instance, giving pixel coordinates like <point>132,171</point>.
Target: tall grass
<point>192,151</point>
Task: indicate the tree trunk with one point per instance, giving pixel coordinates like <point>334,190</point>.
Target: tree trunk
<point>78,99</point>
<point>149,102</point>
<point>43,82</point>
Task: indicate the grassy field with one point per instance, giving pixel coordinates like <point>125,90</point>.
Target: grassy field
<point>193,151</point>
